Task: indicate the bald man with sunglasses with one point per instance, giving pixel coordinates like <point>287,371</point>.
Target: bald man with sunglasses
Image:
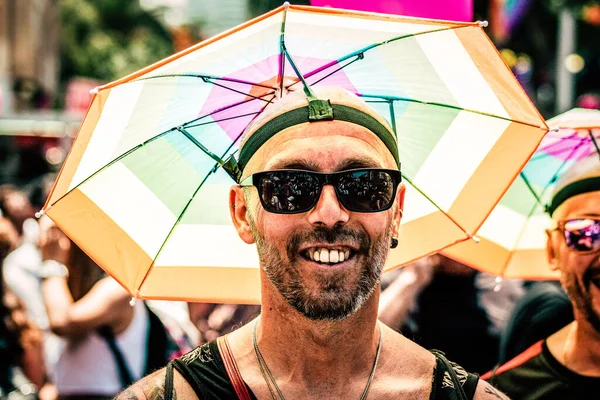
<point>566,365</point>
<point>321,196</point>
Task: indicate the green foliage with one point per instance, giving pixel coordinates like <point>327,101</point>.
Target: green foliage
<point>257,7</point>
<point>558,5</point>
<point>109,39</point>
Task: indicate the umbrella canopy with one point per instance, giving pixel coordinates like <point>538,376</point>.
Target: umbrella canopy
<point>143,190</point>
<point>513,239</point>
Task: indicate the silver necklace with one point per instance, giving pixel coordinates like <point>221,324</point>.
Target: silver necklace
<point>270,381</point>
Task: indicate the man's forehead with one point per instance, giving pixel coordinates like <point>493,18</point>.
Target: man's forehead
<point>332,145</point>
<point>585,204</point>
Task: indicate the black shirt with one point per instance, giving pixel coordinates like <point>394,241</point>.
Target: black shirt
<point>536,374</point>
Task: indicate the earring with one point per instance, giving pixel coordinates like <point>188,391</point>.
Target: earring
<point>394,243</point>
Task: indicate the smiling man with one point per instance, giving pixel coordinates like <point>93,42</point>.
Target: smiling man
<point>566,365</point>
<point>321,196</point>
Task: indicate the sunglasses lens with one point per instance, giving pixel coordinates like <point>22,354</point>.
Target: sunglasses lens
<point>582,234</point>
<point>366,190</point>
<point>287,192</point>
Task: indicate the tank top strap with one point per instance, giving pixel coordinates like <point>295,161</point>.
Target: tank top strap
<point>451,381</point>
<point>205,372</point>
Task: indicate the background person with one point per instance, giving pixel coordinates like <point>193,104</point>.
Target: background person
<point>80,300</point>
<point>566,365</point>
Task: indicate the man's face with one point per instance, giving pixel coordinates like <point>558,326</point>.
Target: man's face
<point>580,273</point>
<point>287,243</point>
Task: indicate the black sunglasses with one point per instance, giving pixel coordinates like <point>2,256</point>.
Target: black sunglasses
<point>290,191</point>
<point>581,235</point>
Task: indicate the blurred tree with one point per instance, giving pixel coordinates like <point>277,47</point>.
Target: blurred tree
<point>109,39</point>
<point>257,7</point>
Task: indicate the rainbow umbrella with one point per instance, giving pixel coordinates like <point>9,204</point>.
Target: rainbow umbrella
<point>513,240</point>
<point>144,190</point>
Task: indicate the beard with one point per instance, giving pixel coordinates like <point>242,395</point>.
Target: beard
<point>333,301</point>
<point>580,295</point>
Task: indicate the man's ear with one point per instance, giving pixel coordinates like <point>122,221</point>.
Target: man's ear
<point>399,210</point>
<point>551,255</point>
<point>238,209</point>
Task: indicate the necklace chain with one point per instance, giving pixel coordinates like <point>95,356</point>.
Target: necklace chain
<point>270,380</point>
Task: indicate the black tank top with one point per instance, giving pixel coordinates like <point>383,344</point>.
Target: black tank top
<point>204,370</point>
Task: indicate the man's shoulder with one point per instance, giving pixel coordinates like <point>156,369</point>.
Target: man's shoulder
<point>152,387</point>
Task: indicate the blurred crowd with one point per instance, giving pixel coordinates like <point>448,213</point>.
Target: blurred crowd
<point>63,332</point>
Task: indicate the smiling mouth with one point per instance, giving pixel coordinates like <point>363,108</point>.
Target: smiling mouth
<point>323,255</point>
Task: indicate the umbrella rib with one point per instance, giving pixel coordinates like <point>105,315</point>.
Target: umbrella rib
<point>358,57</point>
<point>212,170</point>
<point>225,108</point>
<point>438,207</point>
<point>281,55</point>
<point>541,150</point>
<point>359,54</point>
<point>528,184</point>
<point>181,214</point>
<point>594,141</point>
<point>393,117</point>
<point>221,120</point>
<point>192,139</point>
<point>397,38</point>
<point>234,90</point>
<point>113,161</point>
<point>522,231</point>
<point>205,78</point>
<point>436,104</point>
<point>158,136</point>
<point>555,176</point>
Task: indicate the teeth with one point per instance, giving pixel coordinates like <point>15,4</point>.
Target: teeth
<point>325,255</point>
<point>334,256</point>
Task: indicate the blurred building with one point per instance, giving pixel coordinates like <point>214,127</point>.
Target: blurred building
<point>31,135</point>
<point>29,53</point>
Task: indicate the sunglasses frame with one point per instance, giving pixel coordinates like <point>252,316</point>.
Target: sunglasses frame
<point>560,226</point>
<point>324,179</point>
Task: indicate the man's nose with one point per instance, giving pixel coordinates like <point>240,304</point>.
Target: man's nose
<point>328,211</point>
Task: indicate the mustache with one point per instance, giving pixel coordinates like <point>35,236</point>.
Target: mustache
<point>337,234</point>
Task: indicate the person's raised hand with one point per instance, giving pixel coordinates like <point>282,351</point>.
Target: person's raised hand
<point>54,244</point>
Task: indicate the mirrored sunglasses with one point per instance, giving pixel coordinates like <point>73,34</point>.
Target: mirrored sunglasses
<point>581,235</point>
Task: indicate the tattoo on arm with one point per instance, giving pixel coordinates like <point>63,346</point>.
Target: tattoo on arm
<point>130,394</point>
<point>493,392</point>
<point>149,388</point>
